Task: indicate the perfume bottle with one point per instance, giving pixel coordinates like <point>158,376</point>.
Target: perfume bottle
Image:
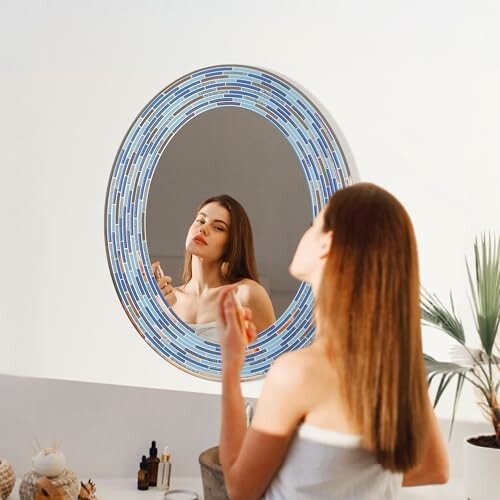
<point>153,462</point>
<point>164,468</point>
<point>143,475</point>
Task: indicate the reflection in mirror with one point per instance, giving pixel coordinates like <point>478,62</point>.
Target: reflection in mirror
<point>218,252</point>
<point>233,151</point>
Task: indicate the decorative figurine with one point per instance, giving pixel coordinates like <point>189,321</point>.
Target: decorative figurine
<point>87,491</point>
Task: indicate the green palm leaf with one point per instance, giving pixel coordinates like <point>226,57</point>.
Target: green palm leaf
<point>485,300</point>
<point>447,372</point>
<point>435,313</point>
<point>485,290</point>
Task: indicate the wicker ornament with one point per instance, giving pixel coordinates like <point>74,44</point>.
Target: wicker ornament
<point>34,486</point>
<point>7,479</point>
<point>45,490</point>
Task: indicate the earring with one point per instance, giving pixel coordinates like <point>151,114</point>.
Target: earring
<point>224,269</point>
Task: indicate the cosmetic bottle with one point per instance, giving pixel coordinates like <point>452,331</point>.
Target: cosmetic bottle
<point>143,475</point>
<point>164,468</point>
<point>153,462</point>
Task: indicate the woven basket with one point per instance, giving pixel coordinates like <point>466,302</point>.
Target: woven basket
<point>7,479</point>
<point>67,482</point>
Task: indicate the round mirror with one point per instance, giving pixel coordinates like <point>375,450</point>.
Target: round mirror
<point>239,131</point>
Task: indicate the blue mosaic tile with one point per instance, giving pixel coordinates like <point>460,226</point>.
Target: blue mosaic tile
<point>325,170</point>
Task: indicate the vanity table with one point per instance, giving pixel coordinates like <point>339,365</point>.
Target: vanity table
<point>126,489</point>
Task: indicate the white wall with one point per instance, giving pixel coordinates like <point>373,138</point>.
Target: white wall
<point>413,85</point>
<point>105,429</point>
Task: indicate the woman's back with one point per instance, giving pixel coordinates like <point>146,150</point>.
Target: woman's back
<point>322,399</point>
<point>325,459</point>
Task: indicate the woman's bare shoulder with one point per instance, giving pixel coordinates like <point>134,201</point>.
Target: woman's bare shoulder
<point>286,397</point>
<point>248,286</point>
<point>299,365</point>
<point>252,294</point>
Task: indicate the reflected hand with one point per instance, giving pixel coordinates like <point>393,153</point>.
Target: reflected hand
<point>236,329</point>
<point>164,283</point>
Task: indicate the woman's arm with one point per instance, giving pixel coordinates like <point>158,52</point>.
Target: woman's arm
<point>434,468</point>
<point>250,458</point>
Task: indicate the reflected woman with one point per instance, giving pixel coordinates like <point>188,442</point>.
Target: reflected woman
<point>219,252</point>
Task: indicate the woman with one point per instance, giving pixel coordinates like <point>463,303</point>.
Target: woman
<point>349,415</point>
<point>219,252</point>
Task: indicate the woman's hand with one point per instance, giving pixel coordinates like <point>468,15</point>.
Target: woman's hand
<point>164,283</point>
<point>236,329</point>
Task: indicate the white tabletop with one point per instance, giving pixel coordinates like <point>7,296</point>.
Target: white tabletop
<point>126,489</point>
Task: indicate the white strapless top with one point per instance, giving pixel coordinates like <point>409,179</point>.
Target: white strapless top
<point>205,331</point>
<point>327,465</point>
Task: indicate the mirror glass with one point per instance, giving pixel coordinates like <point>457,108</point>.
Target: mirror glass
<point>236,152</point>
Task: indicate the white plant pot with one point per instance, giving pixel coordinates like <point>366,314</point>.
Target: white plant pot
<point>481,471</point>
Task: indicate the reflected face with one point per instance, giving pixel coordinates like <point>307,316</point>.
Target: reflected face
<point>209,233</point>
<point>308,261</point>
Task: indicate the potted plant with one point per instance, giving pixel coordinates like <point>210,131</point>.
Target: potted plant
<point>479,367</point>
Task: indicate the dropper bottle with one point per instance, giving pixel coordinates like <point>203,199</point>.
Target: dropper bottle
<point>153,462</point>
<point>143,475</point>
<point>164,469</point>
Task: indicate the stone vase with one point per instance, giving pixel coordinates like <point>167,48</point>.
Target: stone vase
<point>212,476</point>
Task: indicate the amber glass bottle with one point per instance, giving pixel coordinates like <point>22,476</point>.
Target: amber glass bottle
<point>143,474</point>
<point>153,462</point>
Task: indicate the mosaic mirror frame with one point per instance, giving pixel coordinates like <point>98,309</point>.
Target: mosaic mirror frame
<point>325,171</point>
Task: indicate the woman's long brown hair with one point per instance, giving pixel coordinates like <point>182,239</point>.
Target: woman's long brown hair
<point>239,257</point>
<point>368,311</point>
